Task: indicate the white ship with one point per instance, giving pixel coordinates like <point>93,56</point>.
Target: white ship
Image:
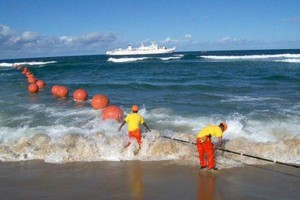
<point>142,50</point>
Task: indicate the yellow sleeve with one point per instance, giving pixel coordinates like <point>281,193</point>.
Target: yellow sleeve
<point>127,118</point>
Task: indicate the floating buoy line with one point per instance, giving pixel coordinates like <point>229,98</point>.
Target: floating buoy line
<point>99,101</point>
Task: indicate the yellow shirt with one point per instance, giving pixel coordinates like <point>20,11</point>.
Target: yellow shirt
<point>212,130</point>
<point>134,121</point>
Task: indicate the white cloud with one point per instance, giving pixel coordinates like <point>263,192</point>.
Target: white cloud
<point>225,39</point>
<point>169,40</point>
<point>233,41</point>
<point>29,36</point>
<point>32,44</point>
<point>6,31</point>
<point>65,39</point>
<point>188,36</point>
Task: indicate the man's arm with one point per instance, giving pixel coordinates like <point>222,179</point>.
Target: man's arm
<point>219,142</point>
<point>146,126</point>
<point>123,123</point>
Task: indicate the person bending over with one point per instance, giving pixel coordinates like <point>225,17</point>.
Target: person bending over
<point>206,148</point>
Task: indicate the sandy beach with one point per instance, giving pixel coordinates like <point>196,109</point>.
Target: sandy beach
<point>144,180</point>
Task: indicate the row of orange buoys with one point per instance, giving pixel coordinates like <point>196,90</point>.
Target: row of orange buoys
<point>99,101</point>
<point>34,84</point>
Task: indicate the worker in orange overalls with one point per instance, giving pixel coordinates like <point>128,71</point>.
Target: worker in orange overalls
<point>205,146</point>
<point>134,121</point>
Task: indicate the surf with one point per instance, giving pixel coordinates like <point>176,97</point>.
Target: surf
<point>31,63</point>
<point>251,57</point>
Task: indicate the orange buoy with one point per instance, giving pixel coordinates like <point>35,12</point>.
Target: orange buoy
<point>40,83</point>
<point>54,90</point>
<point>62,92</point>
<point>31,80</point>
<point>33,88</point>
<point>28,74</point>
<point>80,95</point>
<point>112,112</point>
<point>100,101</point>
<point>25,69</point>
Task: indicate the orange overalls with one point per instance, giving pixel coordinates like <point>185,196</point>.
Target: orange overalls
<point>206,152</point>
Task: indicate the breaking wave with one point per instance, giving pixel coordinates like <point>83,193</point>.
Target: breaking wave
<point>101,147</point>
<point>123,60</point>
<point>5,64</point>
<point>71,139</point>
<point>175,57</point>
<point>289,60</point>
<point>253,57</point>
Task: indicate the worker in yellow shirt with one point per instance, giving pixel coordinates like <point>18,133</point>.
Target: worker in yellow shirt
<point>206,148</point>
<point>134,121</point>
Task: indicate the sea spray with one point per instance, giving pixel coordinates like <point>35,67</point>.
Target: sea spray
<point>253,57</point>
<point>100,147</point>
<point>32,63</point>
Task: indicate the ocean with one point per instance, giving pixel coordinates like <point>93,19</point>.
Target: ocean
<point>256,92</point>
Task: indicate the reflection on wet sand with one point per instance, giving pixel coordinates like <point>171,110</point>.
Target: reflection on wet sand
<point>207,186</point>
<point>135,181</point>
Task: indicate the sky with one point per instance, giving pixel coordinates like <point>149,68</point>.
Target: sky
<point>41,28</point>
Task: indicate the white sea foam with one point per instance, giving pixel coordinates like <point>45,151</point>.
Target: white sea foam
<point>172,57</point>
<point>291,60</point>
<point>101,147</point>
<point>249,99</point>
<point>4,64</point>
<point>81,135</point>
<point>62,121</point>
<point>123,60</point>
<point>252,57</point>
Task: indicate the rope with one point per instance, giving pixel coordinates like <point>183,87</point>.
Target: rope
<point>238,153</point>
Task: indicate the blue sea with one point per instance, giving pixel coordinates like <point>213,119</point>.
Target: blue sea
<point>256,92</point>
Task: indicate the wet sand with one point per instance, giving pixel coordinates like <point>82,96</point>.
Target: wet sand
<point>144,180</point>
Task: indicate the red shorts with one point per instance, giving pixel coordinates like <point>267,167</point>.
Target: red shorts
<point>136,134</point>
